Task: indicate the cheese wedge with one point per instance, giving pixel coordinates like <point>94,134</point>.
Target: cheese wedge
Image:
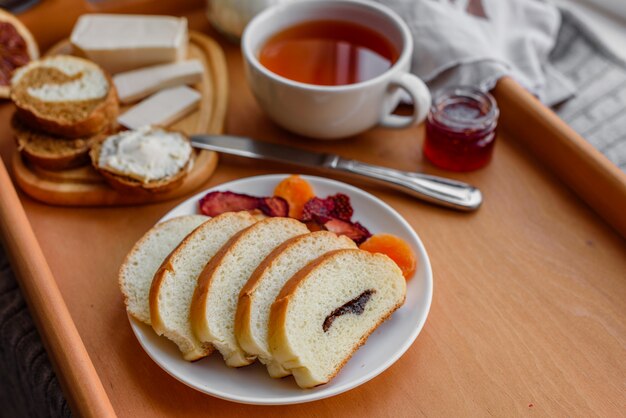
<point>126,42</point>
<point>162,108</point>
<point>137,84</point>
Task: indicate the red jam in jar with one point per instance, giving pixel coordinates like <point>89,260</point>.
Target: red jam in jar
<point>461,129</point>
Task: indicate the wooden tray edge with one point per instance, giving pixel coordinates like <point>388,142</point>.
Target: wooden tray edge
<point>74,368</point>
<point>592,176</point>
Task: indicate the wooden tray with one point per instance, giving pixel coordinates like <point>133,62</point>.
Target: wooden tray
<point>84,187</point>
<point>528,308</point>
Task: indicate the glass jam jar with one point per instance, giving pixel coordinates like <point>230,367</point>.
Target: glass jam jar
<point>461,129</point>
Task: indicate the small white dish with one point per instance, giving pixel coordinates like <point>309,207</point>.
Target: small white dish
<point>252,384</point>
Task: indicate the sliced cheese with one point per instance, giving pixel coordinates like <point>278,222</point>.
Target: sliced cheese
<point>126,42</point>
<point>162,108</point>
<point>135,85</point>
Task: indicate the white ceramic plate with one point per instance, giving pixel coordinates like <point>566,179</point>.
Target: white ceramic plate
<point>252,384</point>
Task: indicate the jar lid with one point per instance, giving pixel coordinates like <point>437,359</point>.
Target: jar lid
<point>463,107</point>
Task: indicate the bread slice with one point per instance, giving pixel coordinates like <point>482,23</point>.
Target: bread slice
<point>143,261</point>
<point>64,96</point>
<point>151,160</point>
<point>51,152</point>
<point>258,294</point>
<point>175,281</point>
<point>215,298</point>
<point>328,310</point>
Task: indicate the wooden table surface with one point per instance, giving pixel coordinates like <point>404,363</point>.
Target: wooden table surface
<point>529,292</point>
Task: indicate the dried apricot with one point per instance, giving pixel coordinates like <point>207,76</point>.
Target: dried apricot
<point>296,191</point>
<point>395,248</point>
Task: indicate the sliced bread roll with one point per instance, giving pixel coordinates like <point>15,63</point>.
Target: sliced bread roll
<point>64,96</point>
<point>51,152</point>
<point>175,281</point>
<point>151,160</point>
<point>258,294</point>
<point>215,298</point>
<point>144,259</point>
<point>328,309</point>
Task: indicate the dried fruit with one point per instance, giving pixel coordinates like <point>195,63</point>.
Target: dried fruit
<point>355,231</point>
<point>17,48</point>
<point>274,206</point>
<point>296,191</point>
<point>333,207</point>
<point>216,203</point>
<point>396,248</point>
<point>342,209</point>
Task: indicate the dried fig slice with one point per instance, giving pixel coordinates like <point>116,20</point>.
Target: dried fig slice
<point>17,48</point>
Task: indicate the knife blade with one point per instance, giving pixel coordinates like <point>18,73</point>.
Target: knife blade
<point>438,190</point>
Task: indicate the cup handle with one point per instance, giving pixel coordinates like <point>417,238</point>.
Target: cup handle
<point>421,101</point>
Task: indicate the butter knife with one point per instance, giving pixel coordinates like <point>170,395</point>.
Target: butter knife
<point>438,190</point>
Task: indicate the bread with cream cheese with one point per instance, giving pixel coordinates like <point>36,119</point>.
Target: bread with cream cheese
<point>64,96</point>
<point>147,159</point>
<point>327,310</point>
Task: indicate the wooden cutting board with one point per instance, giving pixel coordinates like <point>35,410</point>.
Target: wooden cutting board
<point>85,187</point>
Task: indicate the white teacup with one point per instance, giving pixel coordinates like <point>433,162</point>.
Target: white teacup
<point>330,112</point>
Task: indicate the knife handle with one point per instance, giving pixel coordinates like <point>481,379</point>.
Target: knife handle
<point>450,193</point>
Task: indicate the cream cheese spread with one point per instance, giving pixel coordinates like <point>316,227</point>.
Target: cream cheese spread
<point>145,154</point>
<point>91,83</point>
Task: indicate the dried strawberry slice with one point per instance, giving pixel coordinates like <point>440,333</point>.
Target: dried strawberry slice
<point>216,203</point>
<point>317,209</point>
<point>355,231</point>
<point>274,206</point>
<point>337,206</point>
<point>342,209</point>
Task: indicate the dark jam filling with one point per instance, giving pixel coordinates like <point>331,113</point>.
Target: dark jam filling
<point>13,52</point>
<point>460,130</point>
<point>355,306</point>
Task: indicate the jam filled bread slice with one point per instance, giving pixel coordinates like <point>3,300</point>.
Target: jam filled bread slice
<point>258,294</point>
<point>175,281</point>
<point>144,259</point>
<point>328,310</point>
<point>215,298</point>
<point>64,96</point>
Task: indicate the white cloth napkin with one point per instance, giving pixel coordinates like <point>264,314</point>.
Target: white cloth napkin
<point>476,42</point>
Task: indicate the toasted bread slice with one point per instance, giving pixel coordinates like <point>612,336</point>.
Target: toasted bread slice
<point>51,152</point>
<point>215,299</point>
<point>149,160</point>
<point>258,294</point>
<point>145,258</point>
<point>327,310</point>
<point>64,96</point>
<point>174,283</point>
